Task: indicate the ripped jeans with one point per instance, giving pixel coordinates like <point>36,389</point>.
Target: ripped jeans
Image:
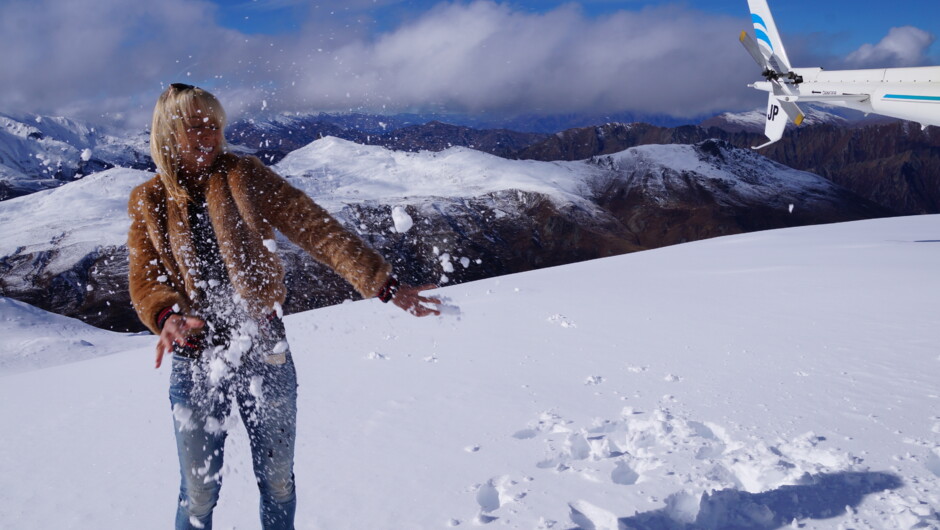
<point>266,397</point>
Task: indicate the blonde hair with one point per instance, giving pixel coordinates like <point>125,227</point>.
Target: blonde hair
<point>174,106</point>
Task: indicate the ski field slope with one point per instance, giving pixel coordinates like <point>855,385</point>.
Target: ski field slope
<point>770,379</point>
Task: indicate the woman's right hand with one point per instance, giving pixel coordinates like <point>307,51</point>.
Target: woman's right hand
<point>176,330</point>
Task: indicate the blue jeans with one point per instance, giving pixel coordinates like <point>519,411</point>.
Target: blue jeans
<point>266,397</point>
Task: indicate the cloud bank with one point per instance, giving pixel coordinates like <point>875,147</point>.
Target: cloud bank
<point>111,58</point>
<point>486,57</point>
<point>89,58</point>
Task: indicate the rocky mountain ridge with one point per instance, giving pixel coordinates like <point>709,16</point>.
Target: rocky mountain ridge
<point>41,152</point>
<point>896,165</point>
<point>474,216</point>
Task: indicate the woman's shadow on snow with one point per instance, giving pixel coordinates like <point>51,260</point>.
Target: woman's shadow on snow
<point>823,497</point>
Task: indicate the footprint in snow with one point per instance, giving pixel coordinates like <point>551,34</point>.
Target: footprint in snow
<point>562,321</point>
<point>933,462</point>
<point>665,448</point>
<point>525,434</point>
<point>495,494</point>
<point>624,475</point>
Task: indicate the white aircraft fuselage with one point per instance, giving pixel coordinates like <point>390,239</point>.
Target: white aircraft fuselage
<point>906,93</point>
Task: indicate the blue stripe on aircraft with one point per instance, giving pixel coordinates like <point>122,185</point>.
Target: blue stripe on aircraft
<point>758,20</point>
<point>916,98</point>
<point>763,36</point>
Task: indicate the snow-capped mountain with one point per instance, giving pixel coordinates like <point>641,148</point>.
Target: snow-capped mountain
<point>895,165</point>
<point>470,215</point>
<point>667,194</point>
<point>782,379</point>
<point>753,121</point>
<point>272,137</point>
<point>891,164</point>
<point>42,152</point>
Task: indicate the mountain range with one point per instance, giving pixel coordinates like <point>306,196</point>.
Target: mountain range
<point>42,152</point>
<point>474,215</point>
<point>496,200</point>
<point>895,165</point>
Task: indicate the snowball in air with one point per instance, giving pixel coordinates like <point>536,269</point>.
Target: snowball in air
<point>403,221</point>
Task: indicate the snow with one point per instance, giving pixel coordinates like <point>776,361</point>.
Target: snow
<point>34,339</point>
<point>79,218</point>
<point>754,120</point>
<point>35,149</point>
<point>337,172</point>
<point>74,219</point>
<point>403,222</point>
<point>758,381</point>
<point>744,177</point>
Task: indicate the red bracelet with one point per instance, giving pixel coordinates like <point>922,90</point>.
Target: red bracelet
<point>164,315</point>
<point>387,292</point>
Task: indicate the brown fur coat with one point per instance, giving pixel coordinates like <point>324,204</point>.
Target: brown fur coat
<point>247,202</point>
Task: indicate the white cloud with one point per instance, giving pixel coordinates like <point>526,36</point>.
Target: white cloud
<point>86,57</point>
<point>904,46</point>
<point>485,56</point>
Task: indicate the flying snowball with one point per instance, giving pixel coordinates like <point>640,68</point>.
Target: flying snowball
<point>403,221</point>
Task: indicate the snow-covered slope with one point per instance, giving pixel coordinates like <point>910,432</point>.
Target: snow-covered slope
<point>92,212</point>
<point>337,172</point>
<point>732,177</point>
<point>56,243</point>
<point>70,221</point>
<point>754,381</point>
<point>34,339</point>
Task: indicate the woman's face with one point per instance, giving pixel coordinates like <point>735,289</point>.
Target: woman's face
<point>201,143</point>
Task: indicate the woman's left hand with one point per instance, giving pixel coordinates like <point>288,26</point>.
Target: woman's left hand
<point>408,297</point>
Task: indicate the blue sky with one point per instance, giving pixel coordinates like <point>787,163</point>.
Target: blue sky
<point>843,23</point>
<point>109,59</point>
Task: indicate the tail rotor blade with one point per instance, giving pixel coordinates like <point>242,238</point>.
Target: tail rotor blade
<point>754,49</point>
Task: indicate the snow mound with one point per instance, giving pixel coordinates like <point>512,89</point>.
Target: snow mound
<point>34,339</point>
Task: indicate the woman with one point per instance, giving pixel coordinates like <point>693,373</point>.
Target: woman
<point>204,276</point>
